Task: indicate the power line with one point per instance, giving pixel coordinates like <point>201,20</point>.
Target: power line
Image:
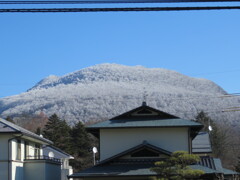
<point>109,1</point>
<point>123,9</point>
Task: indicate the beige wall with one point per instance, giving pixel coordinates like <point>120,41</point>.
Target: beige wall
<point>114,141</point>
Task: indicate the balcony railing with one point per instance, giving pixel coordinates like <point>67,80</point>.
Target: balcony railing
<point>43,157</point>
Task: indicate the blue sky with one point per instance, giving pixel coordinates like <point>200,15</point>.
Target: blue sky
<point>201,44</point>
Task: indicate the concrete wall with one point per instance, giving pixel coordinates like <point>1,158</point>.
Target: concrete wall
<point>34,171</point>
<point>3,170</point>
<point>53,171</point>
<point>42,170</point>
<point>114,141</point>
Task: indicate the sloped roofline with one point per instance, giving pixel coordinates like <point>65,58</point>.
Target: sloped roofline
<point>139,108</point>
<point>17,129</point>
<point>59,150</point>
<point>145,144</point>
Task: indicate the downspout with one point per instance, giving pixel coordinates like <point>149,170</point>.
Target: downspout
<point>9,164</point>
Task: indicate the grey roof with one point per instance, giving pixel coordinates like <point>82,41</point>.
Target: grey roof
<point>145,116</point>
<point>144,145</point>
<point>8,127</point>
<point>130,169</point>
<point>229,172</point>
<point>145,123</point>
<point>201,143</point>
<point>206,170</point>
<point>115,166</point>
<point>49,148</point>
<point>127,169</point>
<point>218,166</point>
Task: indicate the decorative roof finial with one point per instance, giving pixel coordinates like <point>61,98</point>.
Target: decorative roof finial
<point>144,97</point>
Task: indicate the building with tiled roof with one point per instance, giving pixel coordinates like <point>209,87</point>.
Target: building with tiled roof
<point>21,155</point>
<point>131,143</point>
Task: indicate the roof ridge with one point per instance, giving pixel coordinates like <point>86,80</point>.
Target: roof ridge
<point>24,131</point>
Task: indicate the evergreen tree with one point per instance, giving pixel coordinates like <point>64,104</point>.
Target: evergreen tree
<point>58,131</point>
<point>80,147</point>
<point>10,119</point>
<point>217,135</point>
<point>203,118</point>
<point>237,167</point>
<point>39,131</point>
<point>177,167</point>
<point>75,141</point>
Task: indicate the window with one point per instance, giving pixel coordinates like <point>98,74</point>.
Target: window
<point>18,151</point>
<point>37,151</point>
<point>26,150</point>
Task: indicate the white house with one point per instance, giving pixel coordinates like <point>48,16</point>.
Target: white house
<point>21,155</point>
<point>130,144</point>
<point>53,152</point>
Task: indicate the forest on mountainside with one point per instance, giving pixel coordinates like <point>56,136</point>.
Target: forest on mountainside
<point>107,90</point>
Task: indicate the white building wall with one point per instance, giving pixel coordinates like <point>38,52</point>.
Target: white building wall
<point>17,165</point>
<point>4,156</point>
<point>114,141</point>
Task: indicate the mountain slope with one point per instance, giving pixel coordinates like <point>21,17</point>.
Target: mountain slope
<point>105,90</point>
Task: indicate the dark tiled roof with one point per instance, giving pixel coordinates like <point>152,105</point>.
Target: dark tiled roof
<point>132,119</point>
<point>207,161</point>
<point>201,143</point>
<point>130,169</point>
<point>145,144</point>
<point>145,123</point>
<point>144,108</point>
<point>124,169</point>
<point>8,127</point>
<point>136,167</point>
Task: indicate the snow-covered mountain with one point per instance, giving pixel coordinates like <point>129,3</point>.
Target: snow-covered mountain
<point>105,90</point>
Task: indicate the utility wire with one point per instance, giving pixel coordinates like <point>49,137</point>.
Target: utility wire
<point>109,1</point>
<point>123,9</point>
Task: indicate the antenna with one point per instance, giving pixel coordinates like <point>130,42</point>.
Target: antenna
<point>94,150</point>
<point>144,97</point>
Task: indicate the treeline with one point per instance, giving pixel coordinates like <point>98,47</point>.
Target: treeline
<point>224,140</point>
<point>73,140</point>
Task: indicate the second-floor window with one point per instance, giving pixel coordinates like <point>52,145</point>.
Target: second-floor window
<point>18,151</point>
<point>26,150</point>
<point>37,151</point>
